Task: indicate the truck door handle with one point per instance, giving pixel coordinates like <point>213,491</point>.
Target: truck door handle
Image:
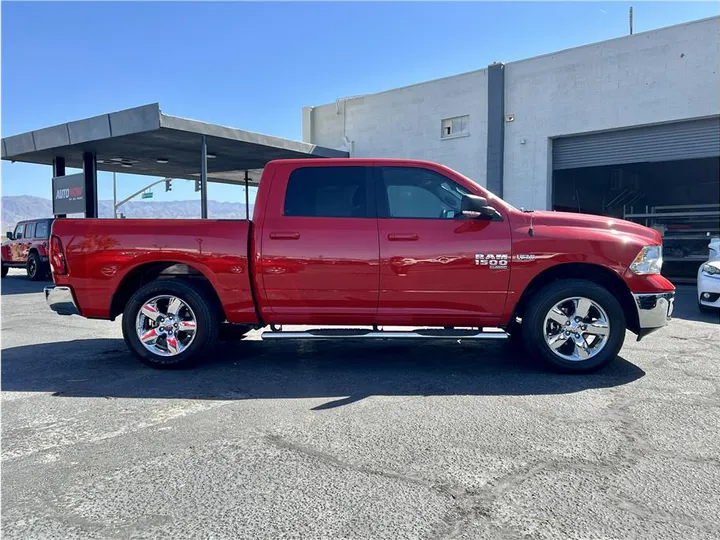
<point>284,236</point>
<point>402,237</point>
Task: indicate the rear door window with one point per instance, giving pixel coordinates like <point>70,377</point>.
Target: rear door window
<point>29,230</point>
<point>328,192</point>
<point>41,231</point>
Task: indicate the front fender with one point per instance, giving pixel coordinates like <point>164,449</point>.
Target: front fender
<point>554,246</point>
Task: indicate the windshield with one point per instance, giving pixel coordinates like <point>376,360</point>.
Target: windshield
<point>454,189</point>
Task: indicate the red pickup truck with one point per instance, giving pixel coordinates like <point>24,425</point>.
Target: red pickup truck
<point>370,243</point>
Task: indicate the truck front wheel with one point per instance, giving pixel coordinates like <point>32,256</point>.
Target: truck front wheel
<point>168,323</point>
<point>574,326</point>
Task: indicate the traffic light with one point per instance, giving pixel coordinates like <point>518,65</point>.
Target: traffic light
<point>168,184</point>
<point>197,185</point>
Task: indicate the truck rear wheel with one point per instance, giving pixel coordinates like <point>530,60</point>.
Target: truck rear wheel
<point>574,326</point>
<point>169,323</point>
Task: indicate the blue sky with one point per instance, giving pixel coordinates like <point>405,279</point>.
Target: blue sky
<point>255,65</point>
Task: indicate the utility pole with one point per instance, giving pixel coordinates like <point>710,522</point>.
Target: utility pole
<point>631,21</point>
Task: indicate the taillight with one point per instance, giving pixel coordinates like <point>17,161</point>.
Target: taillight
<point>57,257</point>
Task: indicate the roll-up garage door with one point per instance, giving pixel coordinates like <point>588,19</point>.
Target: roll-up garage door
<point>663,142</point>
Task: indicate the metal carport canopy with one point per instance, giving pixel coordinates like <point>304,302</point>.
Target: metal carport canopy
<point>145,141</point>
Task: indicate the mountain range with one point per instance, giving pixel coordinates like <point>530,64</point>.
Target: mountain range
<point>20,207</point>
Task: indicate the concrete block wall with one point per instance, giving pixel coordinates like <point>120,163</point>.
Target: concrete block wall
<point>406,122</point>
<point>654,77</point>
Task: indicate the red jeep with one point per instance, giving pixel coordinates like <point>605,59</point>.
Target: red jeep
<point>27,248</point>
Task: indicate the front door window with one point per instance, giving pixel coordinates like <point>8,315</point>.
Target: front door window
<point>415,193</point>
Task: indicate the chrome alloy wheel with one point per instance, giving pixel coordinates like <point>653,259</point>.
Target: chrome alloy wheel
<point>576,329</point>
<point>166,325</point>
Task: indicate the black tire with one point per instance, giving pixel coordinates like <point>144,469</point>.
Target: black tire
<point>205,317</point>
<point>34,267</point>
<point>533,324</point>
<point>5,270</point>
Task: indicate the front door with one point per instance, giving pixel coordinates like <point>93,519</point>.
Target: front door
<point>319,255</point>
<point>17,244</point>
<point>435,264</point>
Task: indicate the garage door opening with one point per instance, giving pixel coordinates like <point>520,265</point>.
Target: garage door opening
<point>679,198</point>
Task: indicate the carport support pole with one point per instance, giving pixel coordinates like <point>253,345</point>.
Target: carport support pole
<point>203,180</point>
<point>90,178</point>
<point>59,170</point>
<point>247,195</point>
<point>114,196</point>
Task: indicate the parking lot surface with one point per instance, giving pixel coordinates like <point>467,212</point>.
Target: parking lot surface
<point>354,440</point>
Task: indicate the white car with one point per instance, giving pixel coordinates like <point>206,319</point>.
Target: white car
<point>708,280</point>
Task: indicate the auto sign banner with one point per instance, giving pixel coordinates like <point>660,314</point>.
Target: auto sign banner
<point>68,194</point>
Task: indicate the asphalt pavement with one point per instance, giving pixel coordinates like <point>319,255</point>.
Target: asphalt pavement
<point>331,440</point>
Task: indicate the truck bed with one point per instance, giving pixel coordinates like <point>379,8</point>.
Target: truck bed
<point>105,254</point>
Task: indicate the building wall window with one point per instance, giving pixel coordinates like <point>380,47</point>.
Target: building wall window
<point>455,127</point>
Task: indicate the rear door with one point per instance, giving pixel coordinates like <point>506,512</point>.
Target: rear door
<point>42,232</point>
<point>29,235</point>
<point>432,270</point>
<point>319,260</point>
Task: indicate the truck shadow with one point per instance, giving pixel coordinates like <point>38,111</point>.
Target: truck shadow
<point>17,282</point>
<point>340,372</point>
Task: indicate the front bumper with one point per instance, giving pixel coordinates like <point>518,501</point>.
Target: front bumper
<point>708,285</point>
<point>654,311</point>
<point>61,301</point>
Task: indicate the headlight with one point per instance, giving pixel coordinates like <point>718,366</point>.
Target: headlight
<point>648,261</point>
<point>710,270</point>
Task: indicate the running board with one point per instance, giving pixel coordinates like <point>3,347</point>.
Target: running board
<point>373,334</point>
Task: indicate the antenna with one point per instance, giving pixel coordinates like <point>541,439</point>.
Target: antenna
<point>631,21</point>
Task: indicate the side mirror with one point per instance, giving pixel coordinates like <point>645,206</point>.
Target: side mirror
<point>10,235</point>
<point>476,207</point>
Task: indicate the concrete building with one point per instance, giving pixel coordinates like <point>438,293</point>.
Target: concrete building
<point>615,128</point>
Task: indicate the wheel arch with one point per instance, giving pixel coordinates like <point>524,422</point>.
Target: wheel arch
<point>589,272</point>
<point>156,270</point>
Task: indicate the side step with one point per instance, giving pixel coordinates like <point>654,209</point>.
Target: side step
<point>359,333</point>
